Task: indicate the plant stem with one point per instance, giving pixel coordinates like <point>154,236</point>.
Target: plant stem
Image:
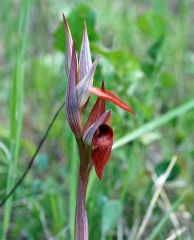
<point>73,187</point>
<point>81,221</point>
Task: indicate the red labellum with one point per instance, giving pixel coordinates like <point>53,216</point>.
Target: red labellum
<point>101,144</point>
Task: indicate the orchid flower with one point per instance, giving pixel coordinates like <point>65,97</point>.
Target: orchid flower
<point>95,137</point>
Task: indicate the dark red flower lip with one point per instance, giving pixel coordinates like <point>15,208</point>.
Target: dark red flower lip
<point>89,132</point>
<point>102,145</point>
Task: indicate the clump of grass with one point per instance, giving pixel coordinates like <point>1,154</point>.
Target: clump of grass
<point>16,115</point>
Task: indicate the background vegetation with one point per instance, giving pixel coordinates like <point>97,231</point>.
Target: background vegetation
<point>147,58</point>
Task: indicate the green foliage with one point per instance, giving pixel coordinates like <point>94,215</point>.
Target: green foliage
<point>146,59</point>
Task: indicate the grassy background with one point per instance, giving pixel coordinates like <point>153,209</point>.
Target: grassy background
<point>147,58</point>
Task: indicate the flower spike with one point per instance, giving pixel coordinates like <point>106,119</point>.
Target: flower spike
<point>95,138</point>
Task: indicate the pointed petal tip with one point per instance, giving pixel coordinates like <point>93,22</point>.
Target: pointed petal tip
<point>96,60</point>
<point>98,57</point>
<point>65,21</point>
<point>99,176</point>
<point>109,96</point>
<point>130,110</point>
<point>85,33</point>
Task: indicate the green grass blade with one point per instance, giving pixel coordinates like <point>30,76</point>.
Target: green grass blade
<point>16,108</point>
<point>156,123</point>
<point>164,220</point>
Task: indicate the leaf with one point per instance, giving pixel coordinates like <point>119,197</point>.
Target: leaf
<point>111,213</point>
